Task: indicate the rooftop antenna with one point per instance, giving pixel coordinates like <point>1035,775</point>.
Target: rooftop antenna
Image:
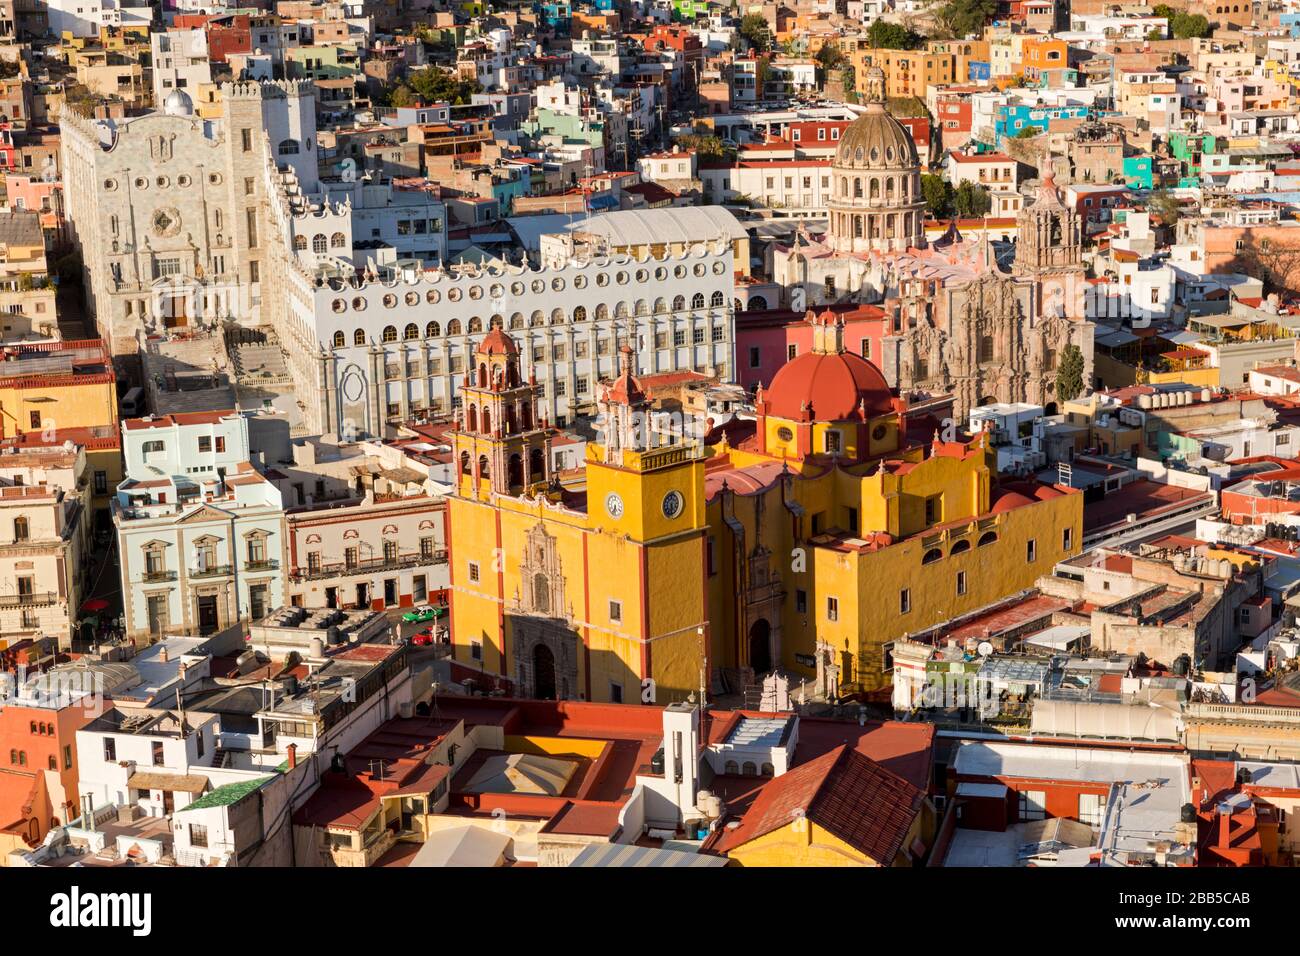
<point>180,706</point>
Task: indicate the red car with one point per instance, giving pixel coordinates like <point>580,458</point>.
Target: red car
<point>422,638</point>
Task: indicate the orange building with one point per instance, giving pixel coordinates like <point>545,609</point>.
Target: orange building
<point>1040,56</point>
<point>38,756</point>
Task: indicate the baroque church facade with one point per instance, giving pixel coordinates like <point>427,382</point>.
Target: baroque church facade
<point>959,321</point>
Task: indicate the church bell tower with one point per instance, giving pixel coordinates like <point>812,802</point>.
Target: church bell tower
<point>501,448</point>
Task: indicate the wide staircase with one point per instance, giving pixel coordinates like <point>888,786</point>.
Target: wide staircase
<point>258,358</point>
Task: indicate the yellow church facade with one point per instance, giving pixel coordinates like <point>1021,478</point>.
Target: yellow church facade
<point>809,545</point>
<point>596,593</point>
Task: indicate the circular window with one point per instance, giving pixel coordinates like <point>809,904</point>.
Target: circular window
<point>338,305</point>
<point>661,273</point>
<point>183,181</point>
<point>859,154</point>
<point>214,178</point>
<point>497,290</point>
<point>642,275</point>
<point>889,154</point>
<point>879,432</point>
<point>875,154</point>
<point>110,184</point>
<point>539,286</point>
<point>621,278</point>
<point>680,272</point>
<point>784,434</point>
<point>433,297</point>
<point>557,285</point>
<point>719,267</point>
<point>359,304</point>
<point>390,301</point>
<point>602,279</point>
<point>699,269</point>
<point>163,182</point>
<point>476,292</point>
<point>580,282</point>
<point>517,288</point>
<point>412,298</point>
<point>141,183</point>
<point>453,295</point>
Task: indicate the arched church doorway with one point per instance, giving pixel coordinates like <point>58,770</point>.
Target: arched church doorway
<point>543,673</point>
<point>760,646</point>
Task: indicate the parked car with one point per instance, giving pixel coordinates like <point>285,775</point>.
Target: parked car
<point>419,615</point>
<point>422,638</point>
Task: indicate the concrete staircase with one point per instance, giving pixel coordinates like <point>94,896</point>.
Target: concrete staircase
<point>260,363</point>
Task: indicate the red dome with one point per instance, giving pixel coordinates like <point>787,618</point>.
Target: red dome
<point>496,342</point>
<point>833,384</point>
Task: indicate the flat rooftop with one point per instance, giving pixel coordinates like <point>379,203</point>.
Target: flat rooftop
<point>1079,764</point>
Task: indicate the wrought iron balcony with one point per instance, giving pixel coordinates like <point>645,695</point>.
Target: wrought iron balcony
<point>368,566</point>
<point>28,599</point>
<point>214,571</point>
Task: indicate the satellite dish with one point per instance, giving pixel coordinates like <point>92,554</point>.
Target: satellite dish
<point>985,649</point>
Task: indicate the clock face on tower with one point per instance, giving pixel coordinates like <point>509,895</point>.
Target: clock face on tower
<point>673,504</point>
<point>614,505</point>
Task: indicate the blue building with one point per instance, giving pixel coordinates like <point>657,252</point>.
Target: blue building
<point>558,17</point>
<point>1012,119</point>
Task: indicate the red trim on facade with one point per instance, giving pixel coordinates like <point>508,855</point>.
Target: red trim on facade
<point>643,561</point>
<point>497,556</point>
<point>586,610</point>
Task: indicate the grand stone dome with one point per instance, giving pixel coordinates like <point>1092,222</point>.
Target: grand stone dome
<point>876,204</point>
<point>875,140</point>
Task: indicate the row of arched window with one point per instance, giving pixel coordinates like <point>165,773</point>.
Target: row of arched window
<point>514,466</point>
<point>42,729</point>
<point>852,187</point>
<point>960,547</point>
<point>483,424</point>
<point>411,331</point>
<point>749,769</point>
<point>319,244</point>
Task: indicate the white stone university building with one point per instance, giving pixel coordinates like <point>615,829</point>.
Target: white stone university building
<point>183,221</point>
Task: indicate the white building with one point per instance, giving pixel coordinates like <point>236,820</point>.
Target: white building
<point>200,532</point>
<point>143,758</point>
<point>180,62</point>
<point>85,18</point>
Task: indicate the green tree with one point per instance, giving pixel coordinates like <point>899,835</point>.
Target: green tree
<point>432,85</point>
<point>892,36</point>
<point>706,144</point>
<point>753,27</point>
<point>1164,10</point>
<point>1026,132</point>
<point>402,95</point>
<point>1189,25</point>
<point>970,201</point>
<point>829,57</point>
<point>964,17</point>
<point>937,193</point>
<point>1069,374</point>
<point>1155,35</point>
<point>1166,206</point>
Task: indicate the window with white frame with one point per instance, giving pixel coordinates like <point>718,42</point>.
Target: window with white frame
<point>1033,805</point>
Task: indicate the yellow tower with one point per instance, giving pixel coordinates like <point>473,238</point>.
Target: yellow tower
<point>594,591</point>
